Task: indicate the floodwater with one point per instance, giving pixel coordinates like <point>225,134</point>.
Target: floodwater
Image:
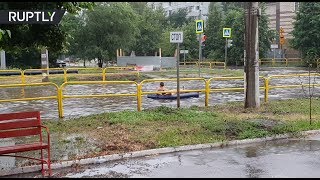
<point>75,107</point>
<point>286,158</point>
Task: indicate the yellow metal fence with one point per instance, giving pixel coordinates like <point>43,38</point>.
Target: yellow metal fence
<point>207,90</point>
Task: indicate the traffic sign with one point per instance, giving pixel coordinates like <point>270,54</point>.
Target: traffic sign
<point>184,51</point>
<point>274,46</point>
<point>176,37</point>
<point>227,32</point>
<point>282,41</point>
<point>199,26</point>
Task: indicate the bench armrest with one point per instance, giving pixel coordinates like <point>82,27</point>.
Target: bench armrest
<point>48,133</point>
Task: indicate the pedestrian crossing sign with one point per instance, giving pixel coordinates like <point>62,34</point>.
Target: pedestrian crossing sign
<point>199,26</point>
<point>227,32</point>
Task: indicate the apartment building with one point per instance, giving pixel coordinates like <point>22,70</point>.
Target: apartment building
<point>194,8</point>
<point>287,11</point>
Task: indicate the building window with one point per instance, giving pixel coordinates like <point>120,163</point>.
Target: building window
<point>197,7</point>
<point>296,6</point>
<point>190,8</point>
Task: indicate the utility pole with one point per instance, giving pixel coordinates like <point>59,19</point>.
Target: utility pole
<point>226,52</point>
<point>278,22</point>
<point>252,99</point>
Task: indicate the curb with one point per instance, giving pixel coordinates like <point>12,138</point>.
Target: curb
<point>149,152</point>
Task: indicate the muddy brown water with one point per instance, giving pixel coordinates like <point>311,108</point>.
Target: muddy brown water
<point>75,107</point>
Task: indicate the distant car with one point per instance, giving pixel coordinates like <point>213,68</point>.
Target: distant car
<point>61,64</point>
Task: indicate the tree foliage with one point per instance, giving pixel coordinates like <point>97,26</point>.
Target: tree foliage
<point>305,32</point>
<point>151,24</point>
<point>26,38</point>
<point>233,16</point>
<point>107,28</point>
<point>214,45</point>
<point>179,18</point>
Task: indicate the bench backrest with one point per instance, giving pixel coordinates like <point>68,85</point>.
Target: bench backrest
<point>20,124</point>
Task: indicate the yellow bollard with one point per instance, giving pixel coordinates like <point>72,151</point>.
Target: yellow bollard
<point>23,78</point>
<point>65,79</point>
<point>266,89</point>
<point>207,93</point>
<point>60,102</point>
<point>139,97</point>
<point>286,62</point>
<point>104,74</point>
<point>273,62</point>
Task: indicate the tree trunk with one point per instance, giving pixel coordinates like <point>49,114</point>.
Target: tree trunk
<point>100,63</point>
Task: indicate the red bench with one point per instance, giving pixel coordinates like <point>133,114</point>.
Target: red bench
<point>25,124</point>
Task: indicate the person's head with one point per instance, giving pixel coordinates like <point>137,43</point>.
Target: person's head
<point>161,84</point>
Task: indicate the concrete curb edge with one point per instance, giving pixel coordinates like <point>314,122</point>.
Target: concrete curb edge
<point>149,152</point>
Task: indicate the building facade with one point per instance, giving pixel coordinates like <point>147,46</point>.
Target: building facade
<point>287,11</point>
<point>194,8</point>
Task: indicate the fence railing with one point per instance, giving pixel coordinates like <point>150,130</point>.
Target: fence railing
<point>210,64</point>
<point>207,90</point>
<point>57,96</point>
<point>273,61</point>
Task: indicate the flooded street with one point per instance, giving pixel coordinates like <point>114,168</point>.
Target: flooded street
<point>290,158</point>
<point>75,107</point>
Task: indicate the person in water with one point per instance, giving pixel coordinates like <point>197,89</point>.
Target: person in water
<point>162,88</point>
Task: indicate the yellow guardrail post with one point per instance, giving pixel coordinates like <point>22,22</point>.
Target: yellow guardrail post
<point>286,62</point>
<point>60,105</point>
<point>225,65</point>
<point>139,97</point>
<point>104,74</point>
<point>210,65</point>
<point>23,78</point>
<point>266,89</point>
<point>207,92</point>
<point>273,62</point>
<point>65,79</point>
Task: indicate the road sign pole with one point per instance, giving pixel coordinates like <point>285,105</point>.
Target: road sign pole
<point>178,79</point>
<point>225,52</point>
<point>199,54</point>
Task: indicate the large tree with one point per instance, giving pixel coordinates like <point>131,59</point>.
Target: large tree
<point>151,24</point>
<point>27,38</point>
<point>305,32</point>
<point>179,18</point>
<point>214,45</point>
<point>235,21</point>
<point>109,27</point>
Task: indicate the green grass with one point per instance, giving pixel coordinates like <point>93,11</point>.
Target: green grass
<point>169,127</point>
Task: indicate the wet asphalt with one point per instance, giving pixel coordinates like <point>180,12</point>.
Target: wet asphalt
<point>286,158</point>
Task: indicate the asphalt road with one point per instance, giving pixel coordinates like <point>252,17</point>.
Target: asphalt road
<point>281,158</point>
